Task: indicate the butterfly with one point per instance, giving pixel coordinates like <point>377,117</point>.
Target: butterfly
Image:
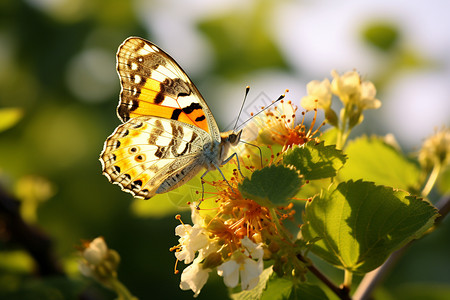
<point>168,133</point>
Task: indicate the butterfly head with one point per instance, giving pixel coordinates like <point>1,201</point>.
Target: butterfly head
<point>231,137</point>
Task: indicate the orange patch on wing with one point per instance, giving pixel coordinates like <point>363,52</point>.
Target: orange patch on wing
<point>143,177</point>
<point>196,117</point>
<point>120,153</point>
<point>125,142</point>
<point>152,85</point>
<point>151,109</point>
<point>125,166</point>
<point>147,95</point>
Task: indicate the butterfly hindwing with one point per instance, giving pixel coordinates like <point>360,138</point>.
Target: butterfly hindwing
<point>149,155</point>
<point>154,85</point>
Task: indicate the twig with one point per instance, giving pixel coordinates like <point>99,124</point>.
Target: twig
<point>32,239</point>
<point>342,293</point>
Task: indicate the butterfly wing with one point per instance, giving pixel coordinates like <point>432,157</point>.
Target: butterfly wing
<point>152,155</point>
<point>153,84</point>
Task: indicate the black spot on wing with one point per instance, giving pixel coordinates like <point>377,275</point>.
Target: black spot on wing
<point>160,152</point>
<point>187,110</point>
<point>134,105</point>
<point>116,169</point>
<point>201,118</point>
<point>159,98</point>
<point>176,114</point>
<point>123,112</point>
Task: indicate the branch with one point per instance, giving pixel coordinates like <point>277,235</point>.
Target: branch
<point>372,279</point>
<point>32,239</point>
<point>343,293</point>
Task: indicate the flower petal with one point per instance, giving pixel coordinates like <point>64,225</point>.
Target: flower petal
<point>230,272</point>
<point>194,278</point>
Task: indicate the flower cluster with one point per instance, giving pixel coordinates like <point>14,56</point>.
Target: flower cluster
<point>436,150</point>
<point>234,241</point>
<point>348,87</point>
<point>229,244</point>
<point>355,95</point>
<point>100,263</point>
<point>242,232</point>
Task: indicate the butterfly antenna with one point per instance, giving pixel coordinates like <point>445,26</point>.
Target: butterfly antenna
<point>259,149</point>
<point>247,90</point>
<point>271,104</point>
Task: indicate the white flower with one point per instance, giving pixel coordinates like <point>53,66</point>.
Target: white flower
<point>436,149</point>
<point>97,260</point>
<point>93,255</point>
<point>243,265</point>
<point>350,89</point>
<point>320,91</point>
<point>347,86</point>
<point>96,251</point>
<point>192,239</point>
<point>85,269</point>
<point>368,92</point>
<point>194,277</point>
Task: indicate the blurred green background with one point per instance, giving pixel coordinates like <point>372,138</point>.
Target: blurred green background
<point>57,67</point>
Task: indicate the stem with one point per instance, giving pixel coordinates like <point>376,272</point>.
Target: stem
<point>343,133</point>
<point>431,180</point>
<point>348,276</point>
<point>341,130</point>
<point>121,290</point>
<point>342,293</point>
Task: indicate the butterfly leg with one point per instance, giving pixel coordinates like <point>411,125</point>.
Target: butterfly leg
<point>203,188</point>
<point>238,164</point>
<point>221,173</point>
<point>203,184</point>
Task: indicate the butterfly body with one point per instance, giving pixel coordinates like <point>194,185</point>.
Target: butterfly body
<point>169,134</point>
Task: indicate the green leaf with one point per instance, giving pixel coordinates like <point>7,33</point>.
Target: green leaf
<point>307,291</point>
<point>257,291</point>
<point>275,288</point>
<point>382,35</point>
<point>315,161</point>
<point>272,185</point>
<point>360,224</point>
<point>278,288</point>
<point>329,136</point>
<point>371,159</point>
<point>9,117</point>
<point>282,288</point>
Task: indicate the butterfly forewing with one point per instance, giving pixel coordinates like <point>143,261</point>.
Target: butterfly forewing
<point>154,85</point>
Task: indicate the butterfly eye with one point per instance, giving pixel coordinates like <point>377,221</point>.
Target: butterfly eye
<point>139,158</point>
<point>133,150</point>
